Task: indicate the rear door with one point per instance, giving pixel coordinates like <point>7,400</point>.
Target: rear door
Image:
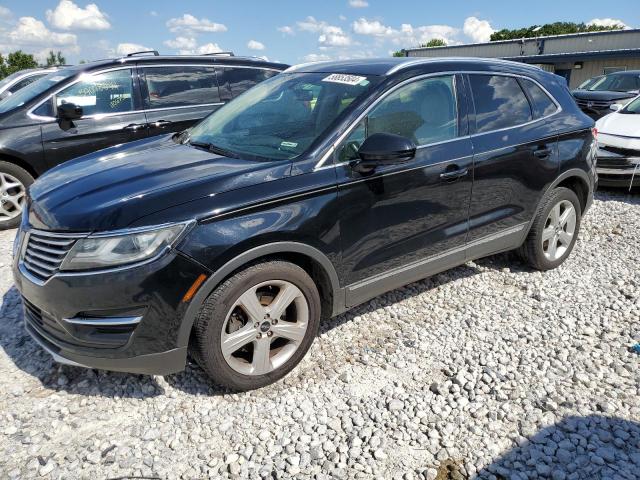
<point>111,115</point>
<point>177,96</point>
<point>515,157</point>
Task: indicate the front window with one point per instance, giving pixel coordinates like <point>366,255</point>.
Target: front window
<point>616,83</point>
<point>281,117</point>
<point>632,107</point>
<point>109,92</point>
<point>34,90</point>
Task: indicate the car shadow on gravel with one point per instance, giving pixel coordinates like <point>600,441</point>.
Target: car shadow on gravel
<point>618,194</point>
<point>576,448</point>
<point>29,357</point>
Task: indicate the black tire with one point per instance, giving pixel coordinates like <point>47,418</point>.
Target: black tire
<point>207,341</point>
<point>532,250</point>
<point>23,177</point>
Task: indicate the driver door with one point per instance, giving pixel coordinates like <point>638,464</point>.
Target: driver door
<point>110,117</point>
<point>405,221</point>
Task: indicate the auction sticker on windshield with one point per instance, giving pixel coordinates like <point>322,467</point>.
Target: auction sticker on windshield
<point>344,78</point>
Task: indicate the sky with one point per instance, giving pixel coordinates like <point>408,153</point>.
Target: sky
<point>280,30</point>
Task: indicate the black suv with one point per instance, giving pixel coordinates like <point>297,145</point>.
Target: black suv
<point>314,191</point>
<point>81,109</point>
<point>595,98</point>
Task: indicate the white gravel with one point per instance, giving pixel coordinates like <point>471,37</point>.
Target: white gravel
<point>490,370</point>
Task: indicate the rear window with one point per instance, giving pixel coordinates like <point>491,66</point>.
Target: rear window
<point>542,104</point>
<point>235,80</point>
<point>180,86</point>
<point>499,102</point>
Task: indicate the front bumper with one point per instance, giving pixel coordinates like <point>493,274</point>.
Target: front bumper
<point>618,167</point>
<point>124,320</point>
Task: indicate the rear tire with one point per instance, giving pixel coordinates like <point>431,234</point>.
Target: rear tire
<point>257,325</point>
<point>554,230</point>
<point>14,182</point>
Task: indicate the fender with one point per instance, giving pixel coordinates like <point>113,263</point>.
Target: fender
<point>268,249</point>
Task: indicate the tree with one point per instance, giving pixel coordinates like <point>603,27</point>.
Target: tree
<point>55,59</point>
<point>400,53</point>
<point>16,61</point>
<point>434,42</point>
<point>557,28</point>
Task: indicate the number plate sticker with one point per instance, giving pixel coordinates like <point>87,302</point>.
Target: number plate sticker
<point>344,78</point>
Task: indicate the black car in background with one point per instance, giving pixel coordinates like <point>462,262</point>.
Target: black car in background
<point>81,109</point>
<point>596,97</point>
<point>18,80</point>
<point>311,193</point>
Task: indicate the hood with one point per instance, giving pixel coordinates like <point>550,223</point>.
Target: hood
<point>601,96</point>
<point>112,188</point>
<point>619,130</point>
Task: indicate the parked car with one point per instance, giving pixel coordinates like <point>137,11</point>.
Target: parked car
<point>595,98</point>
<point>18,80</point>
<point>85,108</point>
<point>311,193</point>
<point>588,82</point>
<point>619,146</point>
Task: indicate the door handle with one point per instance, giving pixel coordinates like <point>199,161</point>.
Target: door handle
<point>134,127</point>
<point>161,123</point>
<point>453,174</point>
<point>542,152</point>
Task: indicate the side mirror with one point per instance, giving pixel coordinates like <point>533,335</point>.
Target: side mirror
<point>615,106</point>
<point>69,111</point>
<point>383,149</point>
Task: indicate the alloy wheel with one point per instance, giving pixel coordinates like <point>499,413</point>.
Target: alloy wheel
<point>12,193</point>
<point>559,230</point>
<point>264,327</point>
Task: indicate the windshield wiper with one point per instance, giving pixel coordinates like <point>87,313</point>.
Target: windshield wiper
<point>213,149</point>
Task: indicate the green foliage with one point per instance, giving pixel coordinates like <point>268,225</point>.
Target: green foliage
<point>55,59</point>
<point>16,61</point>
<point>556,28</point>
<point>400,53</point>
<point>434,42</point>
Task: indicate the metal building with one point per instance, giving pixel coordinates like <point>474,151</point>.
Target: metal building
<point>576,57</point>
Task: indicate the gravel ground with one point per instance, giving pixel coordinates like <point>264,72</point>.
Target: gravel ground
<point>490,370</point>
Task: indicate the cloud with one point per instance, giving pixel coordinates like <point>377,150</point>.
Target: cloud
<point>608,22</point>
<point>362,26</point>
<point>316,57</point>
<point>255,45</point>
<point>5,13</point>
<point>477,30</point>
<point>153,13</point>
<point>30,31</point>
<point>287,30</point>
<point>358,3</point>
<point>182,43</point>
<point>208,48</point>
<point>126,48</point>
<point>191,25</point>
<point>330,35</point>
<point>67,16</point>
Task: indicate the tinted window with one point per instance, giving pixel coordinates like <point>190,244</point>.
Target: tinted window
<point>235,81</point>
<point>542,104</point>
<point>26,81</point>
<point>109,92</point>
<point>499,102</point>
<point>180,85</point>
<point>616,83</point>
<point>424,111</point>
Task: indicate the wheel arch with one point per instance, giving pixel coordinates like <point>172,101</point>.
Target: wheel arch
<point>5,157</point>
<point>313,260</point>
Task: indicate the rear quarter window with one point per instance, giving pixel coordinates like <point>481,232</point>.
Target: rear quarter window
<point>543,106</point>
<point>499,102</point>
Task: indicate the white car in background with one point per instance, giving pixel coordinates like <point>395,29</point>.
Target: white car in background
<point>619,146</point>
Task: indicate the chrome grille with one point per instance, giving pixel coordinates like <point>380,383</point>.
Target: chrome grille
<point>45,253</point>
<point>599,104</point>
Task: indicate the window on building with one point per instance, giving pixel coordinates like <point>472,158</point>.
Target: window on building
<point>499,102</point>
<point>180,85</point>
<point>542,104</point>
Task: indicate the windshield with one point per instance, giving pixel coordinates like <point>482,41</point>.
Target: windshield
<point>616,83</point>
<point>33,90</point>
<point>632,107</point>
<point>280,117</point>
<point>584,85</point>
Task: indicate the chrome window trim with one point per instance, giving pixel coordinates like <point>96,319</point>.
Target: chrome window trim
<point>131,67</point>
<point>331,150</point>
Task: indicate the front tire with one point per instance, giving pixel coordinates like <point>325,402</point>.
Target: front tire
<point>554,230</point>
<point>14,182</point>
<point>257,325</point>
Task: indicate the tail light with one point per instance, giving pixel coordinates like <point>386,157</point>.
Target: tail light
<point>594,132</point>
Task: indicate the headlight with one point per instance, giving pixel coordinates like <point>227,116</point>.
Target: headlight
<point>119,248</point>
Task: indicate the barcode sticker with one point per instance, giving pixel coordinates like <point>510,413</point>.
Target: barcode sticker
<point>344,78</point>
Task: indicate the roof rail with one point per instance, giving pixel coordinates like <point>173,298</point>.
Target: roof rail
<point>226,54</point>
<point>144,52</point>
